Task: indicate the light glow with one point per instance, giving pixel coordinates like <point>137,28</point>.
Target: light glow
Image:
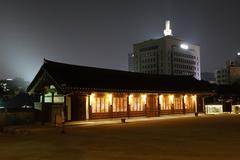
<point>92,96</point>
<point>185,98</point>
<point>184,46</point>
<point>144,98</point>
<point>171,97</point>
<point>238,53</point>
<point>194,98</point>
<point>214,109</point>
<point>160,99</point>
<point>167,31</point>
<point>130,99</point>
<point>110,99</point>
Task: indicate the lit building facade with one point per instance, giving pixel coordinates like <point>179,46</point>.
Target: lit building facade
<point>167,55</point>
<point>81,93</point>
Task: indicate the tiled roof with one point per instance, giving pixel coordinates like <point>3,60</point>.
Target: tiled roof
<point>73,76</point>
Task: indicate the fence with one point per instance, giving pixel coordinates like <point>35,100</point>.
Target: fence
<point>17,117</point>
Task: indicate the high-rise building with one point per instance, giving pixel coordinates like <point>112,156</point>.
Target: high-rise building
<point>131,62</point>
<point>230,73</point>
<point>167,55</point>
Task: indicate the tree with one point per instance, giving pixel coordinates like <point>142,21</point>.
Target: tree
<point>1,91</point>
<point>15,94</point>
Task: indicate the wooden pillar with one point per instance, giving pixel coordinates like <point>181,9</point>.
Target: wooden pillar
<point>65,109</point>
<point>68,107</point>
<point>159,105</point>
<point>53,111</point>
<point>90,106</point>
<point>42,111</point>
<point>87,106</point>
<point>196,106</point>
<point>172,104</point>
<point>43,98</point>
<point>128,106</point>
<point>145,106</point>
<point>52,97</point>
<point>172,108</point>
<point>203,103</point>
<point>183,105</point>
<point>111,106</point>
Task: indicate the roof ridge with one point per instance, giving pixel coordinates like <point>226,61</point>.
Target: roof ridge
<point>46,61</point>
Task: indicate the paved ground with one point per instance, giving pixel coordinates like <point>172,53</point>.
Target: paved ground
<point>195,138</point>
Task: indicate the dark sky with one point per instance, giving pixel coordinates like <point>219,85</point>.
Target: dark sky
<point>101,32</point>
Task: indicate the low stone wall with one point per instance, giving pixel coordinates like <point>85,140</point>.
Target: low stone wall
<point>17,118</point>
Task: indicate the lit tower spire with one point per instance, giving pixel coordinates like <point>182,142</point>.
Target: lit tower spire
<point>167,31</point>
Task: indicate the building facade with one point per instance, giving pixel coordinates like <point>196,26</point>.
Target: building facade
<point>81,93</point>
<point>230,74</point>
<point>208,76</point>
<point>222,76</point>
<point>131,62</point>
<point>167,55</point>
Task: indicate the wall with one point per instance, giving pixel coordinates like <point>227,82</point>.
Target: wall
<point>17,118</point>
<point>234,74</point>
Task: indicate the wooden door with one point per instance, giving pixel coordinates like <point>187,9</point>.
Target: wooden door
<point>78,107</point>
<point>152,106</point>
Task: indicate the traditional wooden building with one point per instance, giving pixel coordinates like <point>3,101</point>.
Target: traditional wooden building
<point>82,93</point>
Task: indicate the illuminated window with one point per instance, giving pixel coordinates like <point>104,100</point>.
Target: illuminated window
<point>137,104</point>
<point>189,102</point>
<point>177,102</point>
<point>214,109</point>
<point>119,104</point>
<point>100,104</point>
<point>48,98</point>
<point>93,104</point>
<point>166,104</point>
<point>58,98</point>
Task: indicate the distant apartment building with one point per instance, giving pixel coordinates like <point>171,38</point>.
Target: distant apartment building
<point>230,73</point>
<point>167,55</point>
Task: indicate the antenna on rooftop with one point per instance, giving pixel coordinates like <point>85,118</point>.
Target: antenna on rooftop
<point>167,31</point>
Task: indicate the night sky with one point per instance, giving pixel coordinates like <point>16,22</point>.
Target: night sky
<point>100,33</point>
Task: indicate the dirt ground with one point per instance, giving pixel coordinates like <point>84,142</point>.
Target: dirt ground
<point>195,138</point>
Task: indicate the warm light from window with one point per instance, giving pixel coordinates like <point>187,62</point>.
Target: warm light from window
<point>194,98</point>
<point>110,98</point>
<point>214,109</point>
<point>130,99</point>
<point>184,46</point>
<point>92,96</point>
<point>160,99</point>
<point>144,98</point>
<point>185,98</point>
<point>171,97</point>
